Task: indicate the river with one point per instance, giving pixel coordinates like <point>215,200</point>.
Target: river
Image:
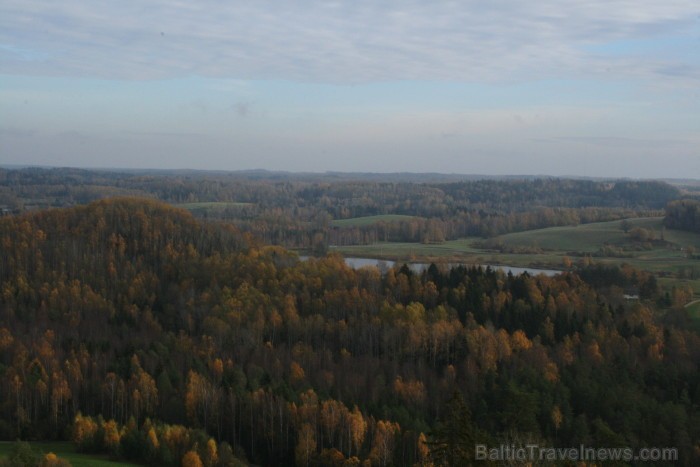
<point>383,265</point>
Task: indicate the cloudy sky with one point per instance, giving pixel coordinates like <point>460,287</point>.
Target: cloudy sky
<point>555,87</point>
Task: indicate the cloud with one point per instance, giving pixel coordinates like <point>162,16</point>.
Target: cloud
<point>622,142</point>
<point>164,134</point>
<point>338,42</point>
<point>242,108</point>
<point>14,132</point>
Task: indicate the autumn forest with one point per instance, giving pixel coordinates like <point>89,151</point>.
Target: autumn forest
<point>165,336</point>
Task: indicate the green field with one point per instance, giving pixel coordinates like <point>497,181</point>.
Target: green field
<point>585,238</point>
<point>212,205</point>
<point>66,450</point>
<point>666,256</point>
<point>396,250</point>
<point>370,220</point>
<point>588,238</point>
<point>605,242</point>
<point>694,312</point>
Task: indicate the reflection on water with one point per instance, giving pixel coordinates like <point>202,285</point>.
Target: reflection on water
<point>384,265</point>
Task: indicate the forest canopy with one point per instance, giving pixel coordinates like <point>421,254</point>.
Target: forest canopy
<point>130,317</point>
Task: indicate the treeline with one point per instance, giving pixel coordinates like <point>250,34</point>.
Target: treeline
<point>683,215</point>
<point>139,320</point>
<point>467,224</point>
<point>154,443</point>
<point>341,198</point>
<point>296,211</point>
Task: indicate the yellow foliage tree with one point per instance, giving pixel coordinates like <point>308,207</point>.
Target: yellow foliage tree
<point>296,373</point>
<point>112,437</point>
<point>357,428</point>
<point>306,446</point>
<point>423,449</point>
<point>191,459</point>
<point>152,437</point>
<point>84,430</point>
<point>383,444</point>
<point>52,460</point>
<point>211,453</point>
<point>519,341</point>
<point>557,418</point>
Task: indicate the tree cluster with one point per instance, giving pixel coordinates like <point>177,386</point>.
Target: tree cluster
<point>683,215</point>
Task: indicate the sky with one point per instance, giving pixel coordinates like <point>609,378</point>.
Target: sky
<point>606,88</point>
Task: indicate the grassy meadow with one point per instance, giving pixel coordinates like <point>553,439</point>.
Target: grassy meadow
<point>607,242</point>
<point>370,220</point>
<point>212,206</point>
<point>694,312</point>
<point>604,242</point>
<point>66,450</point>
<point>588,238</point>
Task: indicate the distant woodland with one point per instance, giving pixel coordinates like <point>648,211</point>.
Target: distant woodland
<point>301,211</point>
<point>684,215</point>
<point>135,328</point>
